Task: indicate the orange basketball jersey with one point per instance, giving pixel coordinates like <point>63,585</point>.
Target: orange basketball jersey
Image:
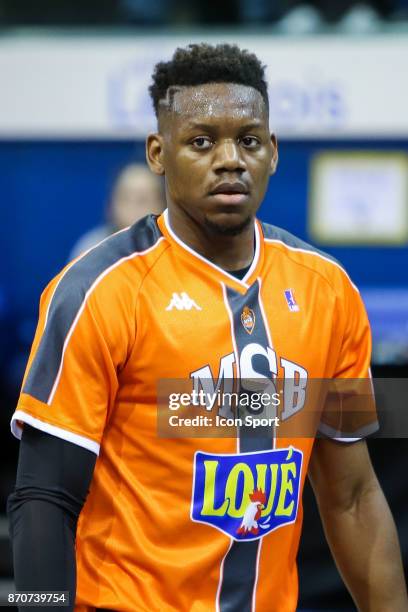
<point>188,524</point>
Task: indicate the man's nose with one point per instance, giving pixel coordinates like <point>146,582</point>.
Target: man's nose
<point>228,157</point>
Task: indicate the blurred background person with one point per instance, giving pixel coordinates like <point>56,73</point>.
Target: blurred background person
<point>136,193</point>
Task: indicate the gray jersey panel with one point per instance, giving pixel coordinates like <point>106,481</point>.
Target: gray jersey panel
<point>277,233</point>
<point>70,294</point>
<point>240,563</point>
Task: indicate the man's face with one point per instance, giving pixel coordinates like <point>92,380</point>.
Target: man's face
<point>217,154</point>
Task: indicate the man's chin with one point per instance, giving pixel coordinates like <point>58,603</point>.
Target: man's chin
<point>227,227</point>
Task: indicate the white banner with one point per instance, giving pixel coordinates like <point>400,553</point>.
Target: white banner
<point>97,87</point>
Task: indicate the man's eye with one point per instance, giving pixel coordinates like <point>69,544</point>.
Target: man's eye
<point>202,143</point>
<point>250,142</point>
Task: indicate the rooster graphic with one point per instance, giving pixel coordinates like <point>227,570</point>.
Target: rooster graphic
<point>253,513</point>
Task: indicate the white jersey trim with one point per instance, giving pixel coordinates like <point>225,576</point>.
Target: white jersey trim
<point>17,431</point>
<point>233,339</point>
<point>256,254</point>
<point>210,263</point>
<point>81,309</point>
<point>268,333</point>
<point>311,252</point>
<point>340,436</point>
<point>72,263</point>
<point>261,306</point>
<point>258,557</point>
<point>217,596</point>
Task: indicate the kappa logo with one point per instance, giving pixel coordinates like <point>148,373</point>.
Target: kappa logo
<point>181,301</point>
<point>247,495</point>
<point>248,319</point>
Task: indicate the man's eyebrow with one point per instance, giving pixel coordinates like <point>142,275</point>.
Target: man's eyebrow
<point>202,125</point>
<point>252,124</point>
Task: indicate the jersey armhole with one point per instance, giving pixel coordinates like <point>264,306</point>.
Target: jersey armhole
<point>349,437</point>
<point>20,417</point>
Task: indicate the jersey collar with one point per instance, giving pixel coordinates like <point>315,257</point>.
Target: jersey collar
<point>186,251</point>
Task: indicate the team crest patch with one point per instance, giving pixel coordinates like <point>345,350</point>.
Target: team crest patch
<point>248,319</point>
<point>247,495</point>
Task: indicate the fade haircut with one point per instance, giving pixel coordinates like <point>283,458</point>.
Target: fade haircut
<point>204,63</point>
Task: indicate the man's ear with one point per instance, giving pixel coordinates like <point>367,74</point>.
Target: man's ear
<point>275,156</point>
<point>154,153</point>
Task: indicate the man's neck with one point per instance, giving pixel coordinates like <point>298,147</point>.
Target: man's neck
<point>227,252</point>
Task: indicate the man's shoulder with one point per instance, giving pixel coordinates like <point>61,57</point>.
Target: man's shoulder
<point>107,268</point>
<point>115,250</point>
<point>304,254</point>
<point>276,234</point>
<point>90,239</point>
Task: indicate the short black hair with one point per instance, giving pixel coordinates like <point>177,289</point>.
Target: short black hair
<point>203,63</point>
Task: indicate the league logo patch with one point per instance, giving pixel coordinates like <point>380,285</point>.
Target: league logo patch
<point>248,319</point>
<point>247,495</point>
<point>290,299</point>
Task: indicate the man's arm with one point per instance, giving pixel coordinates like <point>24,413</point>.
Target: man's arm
<point>53,478</point>
<point>358,525</point>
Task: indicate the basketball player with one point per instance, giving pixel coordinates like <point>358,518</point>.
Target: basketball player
<point>204,293</point>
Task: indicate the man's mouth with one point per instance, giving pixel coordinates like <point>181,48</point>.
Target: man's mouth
<point>230,193</point>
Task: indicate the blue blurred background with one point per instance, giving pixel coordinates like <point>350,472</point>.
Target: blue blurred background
<point>54,191</point>
<point>74,111</point>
